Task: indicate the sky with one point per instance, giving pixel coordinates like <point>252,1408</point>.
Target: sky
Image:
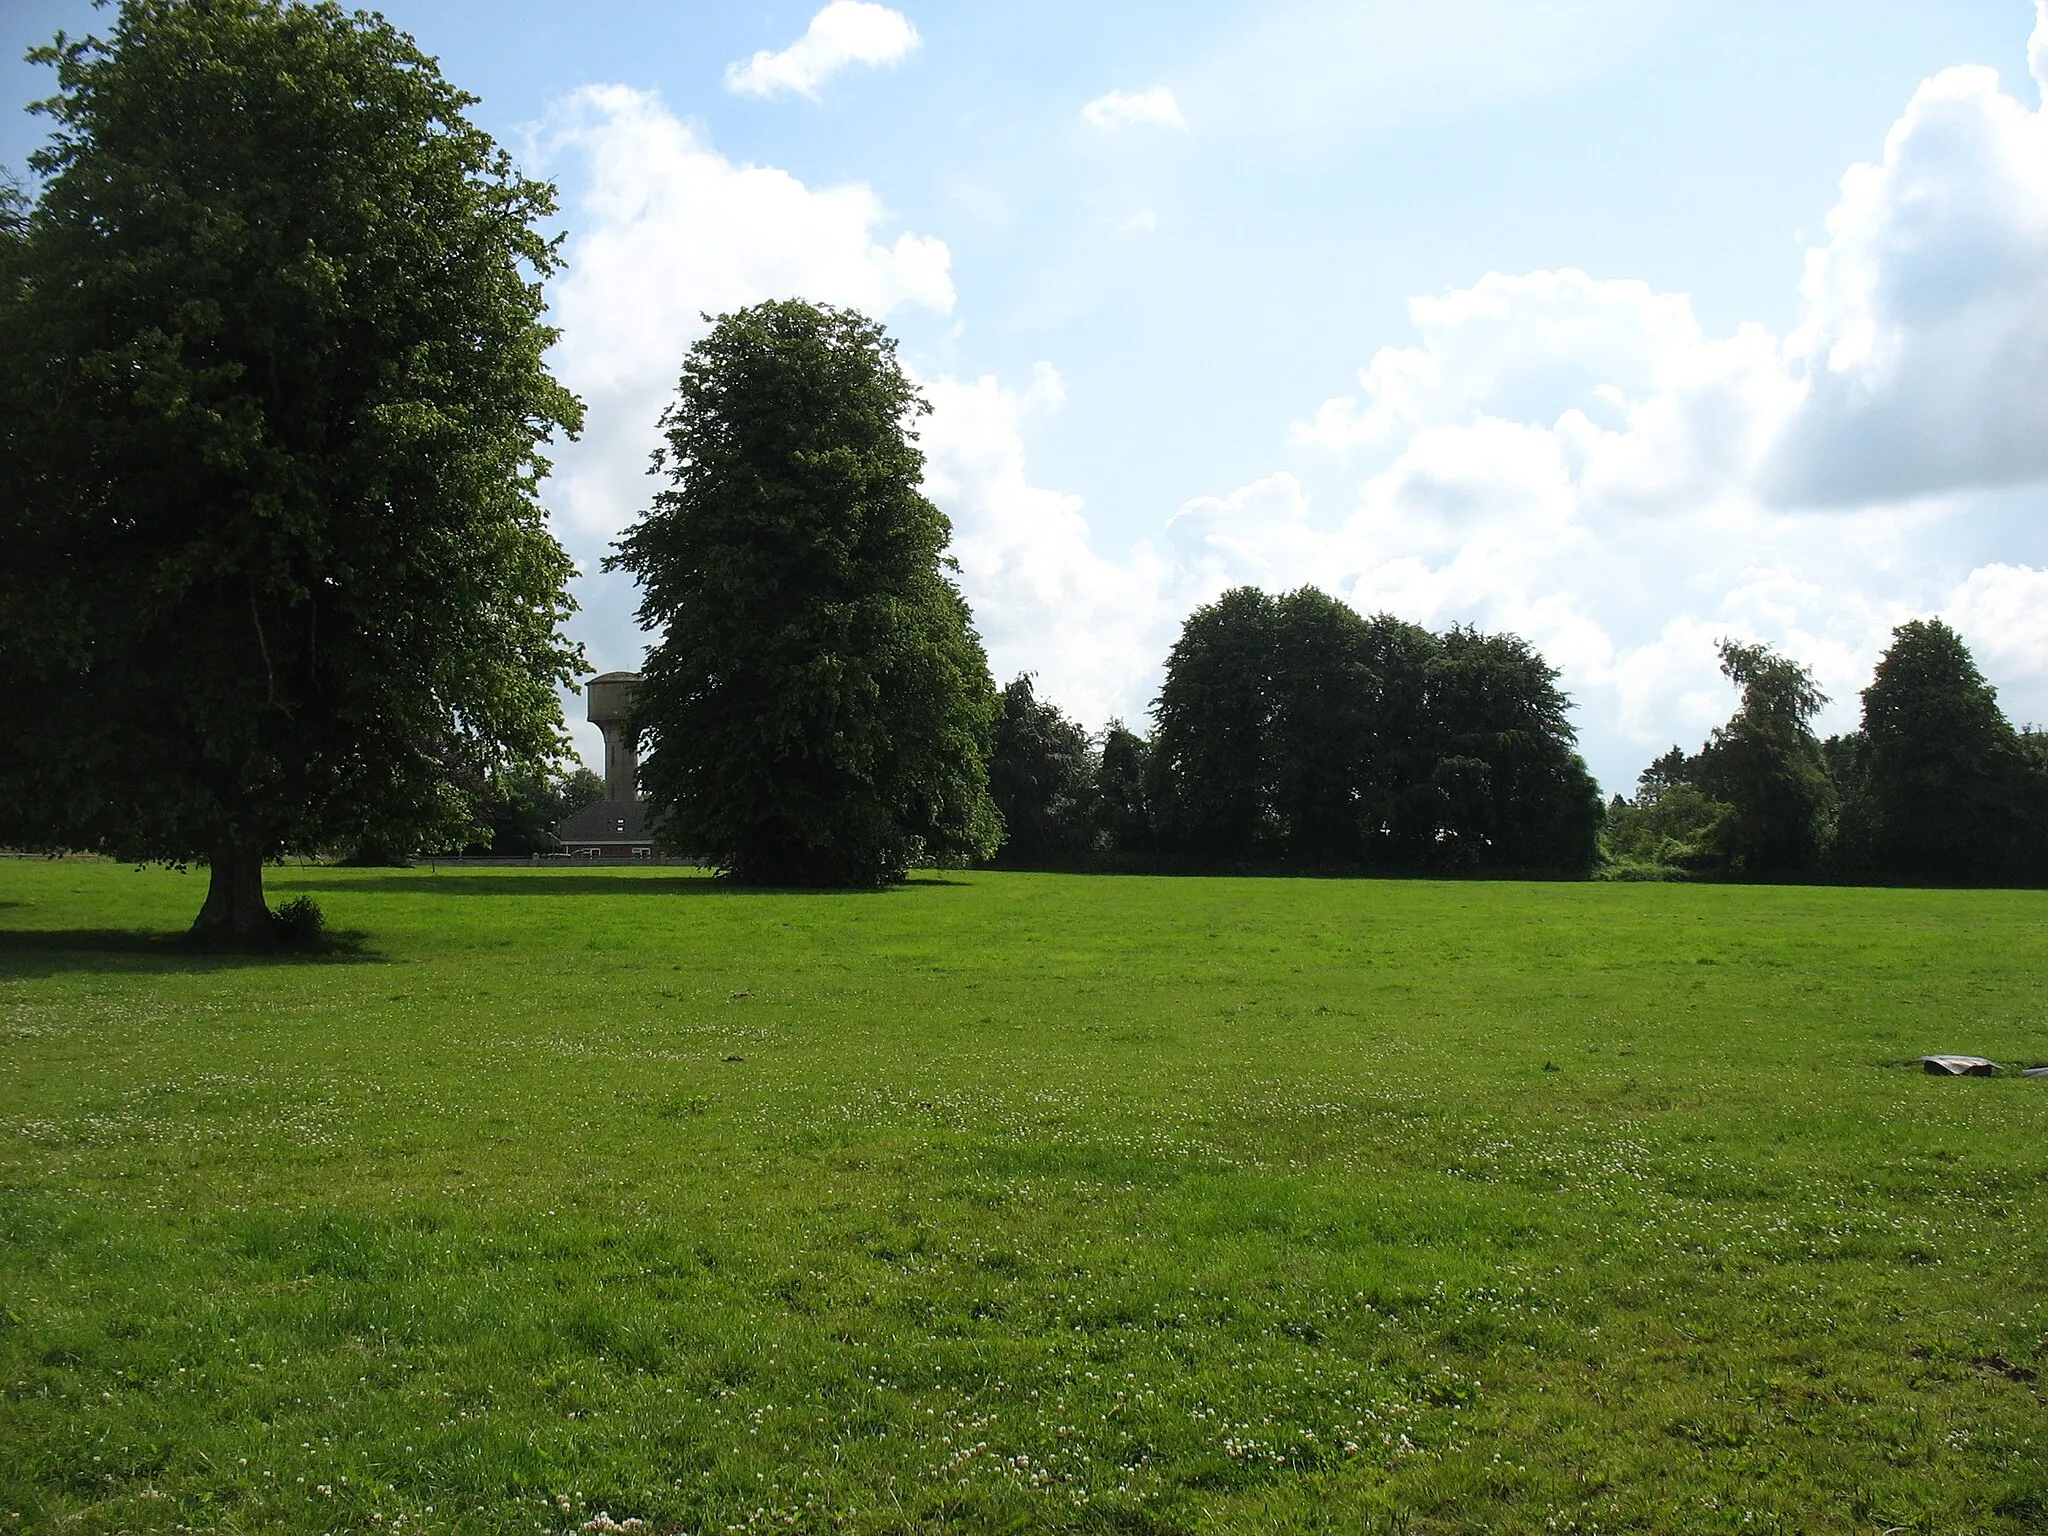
<point>1625,325</point>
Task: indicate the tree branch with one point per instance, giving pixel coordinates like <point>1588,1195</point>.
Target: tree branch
<point>269,677</point>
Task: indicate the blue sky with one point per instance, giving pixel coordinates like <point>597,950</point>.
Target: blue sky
<point>1560,318</point>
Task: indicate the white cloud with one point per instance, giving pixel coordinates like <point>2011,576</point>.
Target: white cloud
<point>1575,459</point>
<point>1255,536</point>
<point>667,230</point>
<point>1526,346</point>
<point>1127,109</point>
<point>1914,369</point>
<point>1649,412</point>
<point>1925,334</point>
<point>1093,629</point>
<point>844,32</point>
<point>2002,612</point>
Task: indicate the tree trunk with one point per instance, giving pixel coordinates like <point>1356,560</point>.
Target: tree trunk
<point>235,911</point>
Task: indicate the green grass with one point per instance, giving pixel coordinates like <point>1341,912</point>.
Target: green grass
<point>1015,1202</point>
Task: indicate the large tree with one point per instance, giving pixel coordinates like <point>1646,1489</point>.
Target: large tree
<point>1767,766</point>
<point>1042,778</point>
<point>1211,759</point>
<point>1946,790</point>
<point>818,708</point>
<point>276,574</point>
<point>1322,727</point>
<point>1399,809</point>
<point>1122,803</point>
<point>1514,791</point>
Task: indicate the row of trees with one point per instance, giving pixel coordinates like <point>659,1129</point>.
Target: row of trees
<point>1292,731</point>
<point>1937,785</point>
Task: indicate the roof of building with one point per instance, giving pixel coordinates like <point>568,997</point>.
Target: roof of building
<point>608,821</point>
<point>615,677</point>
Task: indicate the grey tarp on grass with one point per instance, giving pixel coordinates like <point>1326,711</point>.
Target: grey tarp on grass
<point>1959,1066</point>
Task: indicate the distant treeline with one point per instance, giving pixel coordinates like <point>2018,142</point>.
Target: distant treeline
<point>1292,733</point>
<point>1937,786</point>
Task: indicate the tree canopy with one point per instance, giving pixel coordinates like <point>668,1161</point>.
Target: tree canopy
<point>1294,729</point>
<point>1323,705</point>
<point>1514,792</point>
<point>1123,808</point>
<point>521,813</point>
<point>1042,779</point>
<point>271,345</point>
<point>1949,792</point>
<point>1937,785</point>
<point>1766,765</point>
<point>1670,827</point>
<point>1211,754</point>
<point>817,705</point>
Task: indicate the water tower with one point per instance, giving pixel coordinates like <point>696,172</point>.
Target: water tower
<point>616,826</point>
<point>610,697</point>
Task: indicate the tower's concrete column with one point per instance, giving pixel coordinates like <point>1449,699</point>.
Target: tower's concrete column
<point>611,702</point>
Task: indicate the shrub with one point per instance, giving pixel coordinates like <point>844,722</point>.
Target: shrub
<point>300,923</point>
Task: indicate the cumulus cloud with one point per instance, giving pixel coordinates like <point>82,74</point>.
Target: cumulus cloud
<point>1129,109</point>
<point>1925,332</point>
<point>1527,346</point>
<point>1254,536</point>
<point>1576,459</point>
<point>1913,369</point>
<point>667,230</point>
<point>844,32</point>
<point>1648,412</point>
<point>1567,456</point>
<point>2002,611</point>
<point>1045,601</point>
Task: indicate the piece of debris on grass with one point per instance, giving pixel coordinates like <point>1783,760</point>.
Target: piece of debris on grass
<point>1958,1066</point>
<point>2035,1072</point>
<point>1998,1365</point>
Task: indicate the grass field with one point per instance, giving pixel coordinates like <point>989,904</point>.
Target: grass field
<point>1014,1202</point>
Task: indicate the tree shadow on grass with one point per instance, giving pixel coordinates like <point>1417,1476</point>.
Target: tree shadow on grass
<point>54,951</point>
<point>594,884</point>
